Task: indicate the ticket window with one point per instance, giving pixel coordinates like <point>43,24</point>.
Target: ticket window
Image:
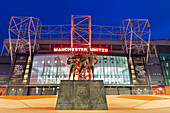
<point>57,90</point>
<point>35,91</point>
<point>2,91</point>
<point>20,91</point>
<point>155,92</point>
<point>159,91</point>
<point>12,91</point>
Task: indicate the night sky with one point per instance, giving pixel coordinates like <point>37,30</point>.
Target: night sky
<point>103,12</point>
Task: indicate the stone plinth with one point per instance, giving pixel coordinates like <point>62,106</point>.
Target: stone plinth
<point>81,95</point>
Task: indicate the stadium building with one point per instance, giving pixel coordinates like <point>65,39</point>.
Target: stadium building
<point>34,57</point>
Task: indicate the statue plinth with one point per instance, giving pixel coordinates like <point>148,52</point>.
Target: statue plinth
<point>81,95</point>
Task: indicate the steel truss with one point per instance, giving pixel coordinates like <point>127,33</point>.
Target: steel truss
<point>136,36</point>
<point>63,32</point>
<point>56,31</point>
<point>105,32</point>
<point>135,33</point>
<point>25,30</point>
<point>80,31</point>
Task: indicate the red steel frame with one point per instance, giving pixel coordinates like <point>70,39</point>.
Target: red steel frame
<point>81,31</point>
<point>134,32</point>
<point>136,36</point>
<point>25,30</point>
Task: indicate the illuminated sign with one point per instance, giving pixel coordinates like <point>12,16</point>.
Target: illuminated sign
<point>80,49</point>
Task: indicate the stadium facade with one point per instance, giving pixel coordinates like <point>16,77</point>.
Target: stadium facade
<point>36,62</point>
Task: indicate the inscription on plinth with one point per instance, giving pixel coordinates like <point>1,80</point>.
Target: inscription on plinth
<point>81,95</point>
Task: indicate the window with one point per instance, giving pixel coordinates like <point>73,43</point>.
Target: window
<point>51,68</point>
<point>165,61</point>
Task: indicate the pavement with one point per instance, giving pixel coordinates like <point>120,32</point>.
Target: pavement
<point>116,104</point>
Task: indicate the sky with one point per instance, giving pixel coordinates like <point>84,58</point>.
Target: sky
<point>103,12</point>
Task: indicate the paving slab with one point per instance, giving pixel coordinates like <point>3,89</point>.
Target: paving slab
<point>116,104</point>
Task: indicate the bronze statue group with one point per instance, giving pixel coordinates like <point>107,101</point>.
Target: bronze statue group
<point>83,57</point>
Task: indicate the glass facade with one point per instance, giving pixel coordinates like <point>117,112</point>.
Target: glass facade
<point>112,69</point>
<point>51,68</point>
<point>165,62</point>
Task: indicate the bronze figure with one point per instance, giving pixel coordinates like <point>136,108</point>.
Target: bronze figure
<point>72,62</point>
<point>91,59</point>
<point>83,58</point>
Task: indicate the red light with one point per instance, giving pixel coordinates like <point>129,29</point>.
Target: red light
<point>99,50</point>
<point>68,49</point>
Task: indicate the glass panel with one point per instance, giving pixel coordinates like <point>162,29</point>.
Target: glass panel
<point>50,69</point>
<point>165,61</point>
